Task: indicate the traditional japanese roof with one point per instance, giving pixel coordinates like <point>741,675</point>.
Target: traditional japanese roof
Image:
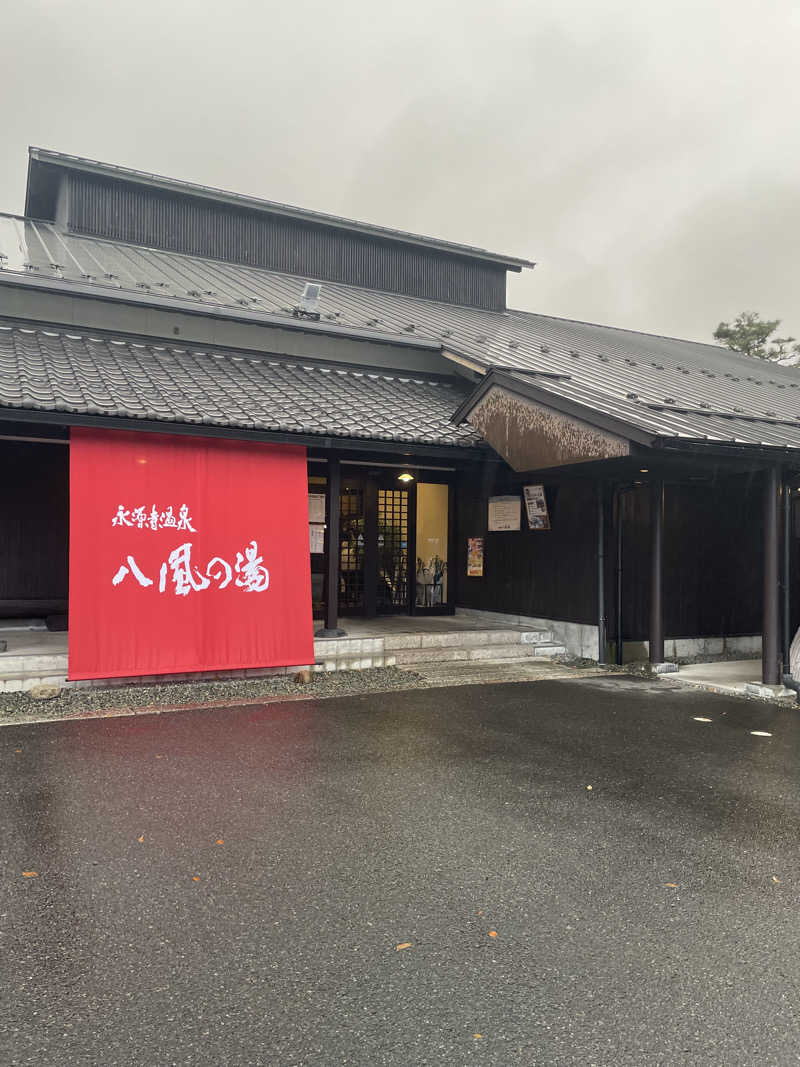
<point>75,373</point>
<point>661,387</point>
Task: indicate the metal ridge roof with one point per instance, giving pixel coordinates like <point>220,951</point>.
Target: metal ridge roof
<point>678,389</point>
<point>76,372</point>
<point>177,185</point>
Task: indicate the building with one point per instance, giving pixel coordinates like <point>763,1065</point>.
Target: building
<point>622,489</point>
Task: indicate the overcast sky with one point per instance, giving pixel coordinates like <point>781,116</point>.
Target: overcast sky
<point>645,154</point>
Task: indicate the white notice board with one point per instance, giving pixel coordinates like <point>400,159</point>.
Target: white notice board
<point>316,507</point>
<point>505,513</point>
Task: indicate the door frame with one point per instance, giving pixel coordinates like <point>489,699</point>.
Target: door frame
<point>372,479</point>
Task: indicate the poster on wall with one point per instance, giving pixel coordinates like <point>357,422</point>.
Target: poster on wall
<point>504,513</point>
<point>186,554</point>
<point>316,538</point>
<point>536,507</point>
<point>474,557</point>
<point>316,507</point>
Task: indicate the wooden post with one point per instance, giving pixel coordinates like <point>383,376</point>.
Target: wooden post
<point>332,560</point>
<point>770,636</point>
<point>656,634</point>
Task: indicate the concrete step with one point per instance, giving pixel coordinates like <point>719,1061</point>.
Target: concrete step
<point>21,684</point>
<point>466,639</point>
<point>508,653</point>
<point>39,663</point>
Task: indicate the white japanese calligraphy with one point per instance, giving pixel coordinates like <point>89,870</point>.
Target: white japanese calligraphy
<point>140,578</point>
<point>187,577</point>
<point>154,519</point>
<point>252,576</point>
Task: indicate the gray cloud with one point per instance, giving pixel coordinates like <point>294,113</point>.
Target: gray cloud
<point>644,154</point>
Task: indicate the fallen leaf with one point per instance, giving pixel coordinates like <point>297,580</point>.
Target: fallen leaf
<point>159,757</point>
<point>589,787</point>
<point>480,912</point>
<point>30,874</point>
<point>18,750</point>
<point>220,841</point>
<point>492,933</point>
<point>777,881</point>
<point>671,885</point>
<point>405,944</point>
<point>195,878</point>
<point>478,1037</point>
<point>140,839</point>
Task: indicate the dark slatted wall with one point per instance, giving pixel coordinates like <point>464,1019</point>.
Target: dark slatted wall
<point>34,528</point>
<point>712,558</point>
<point>127,212</point>
<point>545,573</point>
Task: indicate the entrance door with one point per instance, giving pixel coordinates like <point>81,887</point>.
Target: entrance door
<point>394,542</point>
<point>352,541</point>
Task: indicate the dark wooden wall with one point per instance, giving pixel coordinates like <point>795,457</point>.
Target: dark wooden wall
<point>712,558</point>
<point>547,573</point>
<point>190,224</point>
<point>34,528</point>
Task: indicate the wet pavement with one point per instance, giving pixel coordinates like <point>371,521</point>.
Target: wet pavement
<point>231,887</point>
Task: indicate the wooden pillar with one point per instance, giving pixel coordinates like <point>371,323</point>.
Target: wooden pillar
<point>332,554</point>
<point>770,635</point>
<point>601,574</point>
<point>787,575</point>
<point>656,634</point>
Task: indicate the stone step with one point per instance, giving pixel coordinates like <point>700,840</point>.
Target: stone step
<point>38,663</point>
<point>466,639</point>
<point>509,653</point>
<point>21,684</point>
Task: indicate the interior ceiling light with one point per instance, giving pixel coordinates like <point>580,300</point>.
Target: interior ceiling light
<point>644,470</point>
<point>405,477</point>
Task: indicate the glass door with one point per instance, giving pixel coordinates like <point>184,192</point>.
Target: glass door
<point>432,542</point>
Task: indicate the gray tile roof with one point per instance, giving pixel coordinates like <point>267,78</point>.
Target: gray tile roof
<point>664,386</point>
<point>85,374</point>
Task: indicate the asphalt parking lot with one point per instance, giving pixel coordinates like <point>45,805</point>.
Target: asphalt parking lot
<point>563,872</point>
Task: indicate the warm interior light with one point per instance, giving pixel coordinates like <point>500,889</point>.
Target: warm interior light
<point>643,470</point>
<point>405,477</point>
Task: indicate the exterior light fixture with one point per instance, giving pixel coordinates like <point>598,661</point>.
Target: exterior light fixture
<point>405,477</point>
<point>643,470</point>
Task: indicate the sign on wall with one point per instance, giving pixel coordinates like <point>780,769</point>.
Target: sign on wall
<point>504,513</point>
<point>474,557</point>
<point>186,554</point>
<point>536,508</point>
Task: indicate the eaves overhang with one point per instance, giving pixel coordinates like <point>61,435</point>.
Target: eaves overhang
<point>530,390</point>
<point>474,454</point>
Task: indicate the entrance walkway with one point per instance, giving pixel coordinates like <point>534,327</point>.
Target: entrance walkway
<point>34,657</point>
<point>737,677</point>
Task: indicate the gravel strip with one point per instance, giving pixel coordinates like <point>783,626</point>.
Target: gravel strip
<point>19,707</point>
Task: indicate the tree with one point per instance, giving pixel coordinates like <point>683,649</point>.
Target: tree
<point>751,334</point>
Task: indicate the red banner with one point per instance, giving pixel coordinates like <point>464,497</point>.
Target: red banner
<point>186,554</point>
